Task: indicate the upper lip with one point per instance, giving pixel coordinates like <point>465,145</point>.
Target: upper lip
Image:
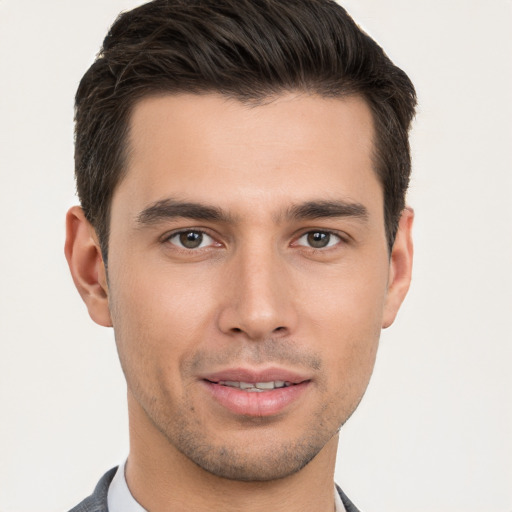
<point>256,375</point>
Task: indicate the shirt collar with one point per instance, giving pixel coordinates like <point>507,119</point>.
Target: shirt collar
<point>120,498</point>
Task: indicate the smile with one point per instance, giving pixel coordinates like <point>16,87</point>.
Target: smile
<point>244,392</point>
<point>255,386</point>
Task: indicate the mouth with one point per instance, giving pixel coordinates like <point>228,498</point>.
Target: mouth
<point>255,387</point>
<point>256,393</point>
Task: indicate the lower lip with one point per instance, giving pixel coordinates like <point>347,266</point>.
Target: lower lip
<point>264,403</point>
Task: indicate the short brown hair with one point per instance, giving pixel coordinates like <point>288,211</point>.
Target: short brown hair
<point>245,49</point>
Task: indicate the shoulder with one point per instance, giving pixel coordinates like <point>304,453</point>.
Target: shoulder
<point>97,501</point>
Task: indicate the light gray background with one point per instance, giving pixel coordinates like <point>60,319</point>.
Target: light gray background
<point>434,431</point>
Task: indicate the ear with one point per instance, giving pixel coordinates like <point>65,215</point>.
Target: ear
<point>86,264</point>
<point>400,267</point>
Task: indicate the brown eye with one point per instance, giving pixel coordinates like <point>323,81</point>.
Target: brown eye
<point>318,239</point>
<point>191,239</point>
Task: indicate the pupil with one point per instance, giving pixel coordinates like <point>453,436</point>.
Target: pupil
<point>318,239</point>
<point>191,239</point>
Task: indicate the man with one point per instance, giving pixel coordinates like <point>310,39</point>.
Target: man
<point>241,167</point>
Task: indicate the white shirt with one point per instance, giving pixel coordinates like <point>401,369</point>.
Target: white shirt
<point>120,498</point>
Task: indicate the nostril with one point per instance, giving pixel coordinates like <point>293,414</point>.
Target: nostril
<point>277,329</point>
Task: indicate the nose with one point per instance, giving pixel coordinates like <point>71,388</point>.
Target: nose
<point>258,297</point>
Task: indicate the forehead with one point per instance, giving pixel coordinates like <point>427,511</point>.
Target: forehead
<point>210,148</point>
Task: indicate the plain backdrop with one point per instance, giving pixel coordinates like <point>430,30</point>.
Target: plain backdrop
<point>434,432</point>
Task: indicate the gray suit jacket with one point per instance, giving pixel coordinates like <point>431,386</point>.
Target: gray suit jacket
<point>97,501</point>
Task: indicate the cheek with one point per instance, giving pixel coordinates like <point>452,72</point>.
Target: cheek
<point>159,320</point>
<point>346,312</point>
<point>349,301</point>
<point>350,356</point>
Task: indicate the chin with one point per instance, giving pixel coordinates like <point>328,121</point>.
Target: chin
<point>255,461</point>
<point>230,464</point>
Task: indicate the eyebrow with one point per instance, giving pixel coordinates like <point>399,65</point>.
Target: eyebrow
<point>167,209</point>
<point>327,209</point>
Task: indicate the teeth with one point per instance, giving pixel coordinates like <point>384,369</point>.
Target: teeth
<point>257,386</point>
<point>265,385</point>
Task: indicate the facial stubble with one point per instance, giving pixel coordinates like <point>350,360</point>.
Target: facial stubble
<point>260,449</point>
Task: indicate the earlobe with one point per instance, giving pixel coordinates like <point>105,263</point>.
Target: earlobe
<point>86,264</point>
<point>400,269</point>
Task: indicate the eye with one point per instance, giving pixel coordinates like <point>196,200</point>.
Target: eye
<point>191,239</point>
<point>318,239</point>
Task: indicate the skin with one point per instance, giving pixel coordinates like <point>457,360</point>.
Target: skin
<point>254,294</point>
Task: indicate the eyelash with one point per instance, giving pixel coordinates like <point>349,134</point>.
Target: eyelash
<point>333,239</point>
<point>176,235</point>
<point>330,234</point>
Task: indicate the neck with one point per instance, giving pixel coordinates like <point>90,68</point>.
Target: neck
<point>162,479</point>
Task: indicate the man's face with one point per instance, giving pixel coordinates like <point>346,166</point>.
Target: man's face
<point>247,250</point>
